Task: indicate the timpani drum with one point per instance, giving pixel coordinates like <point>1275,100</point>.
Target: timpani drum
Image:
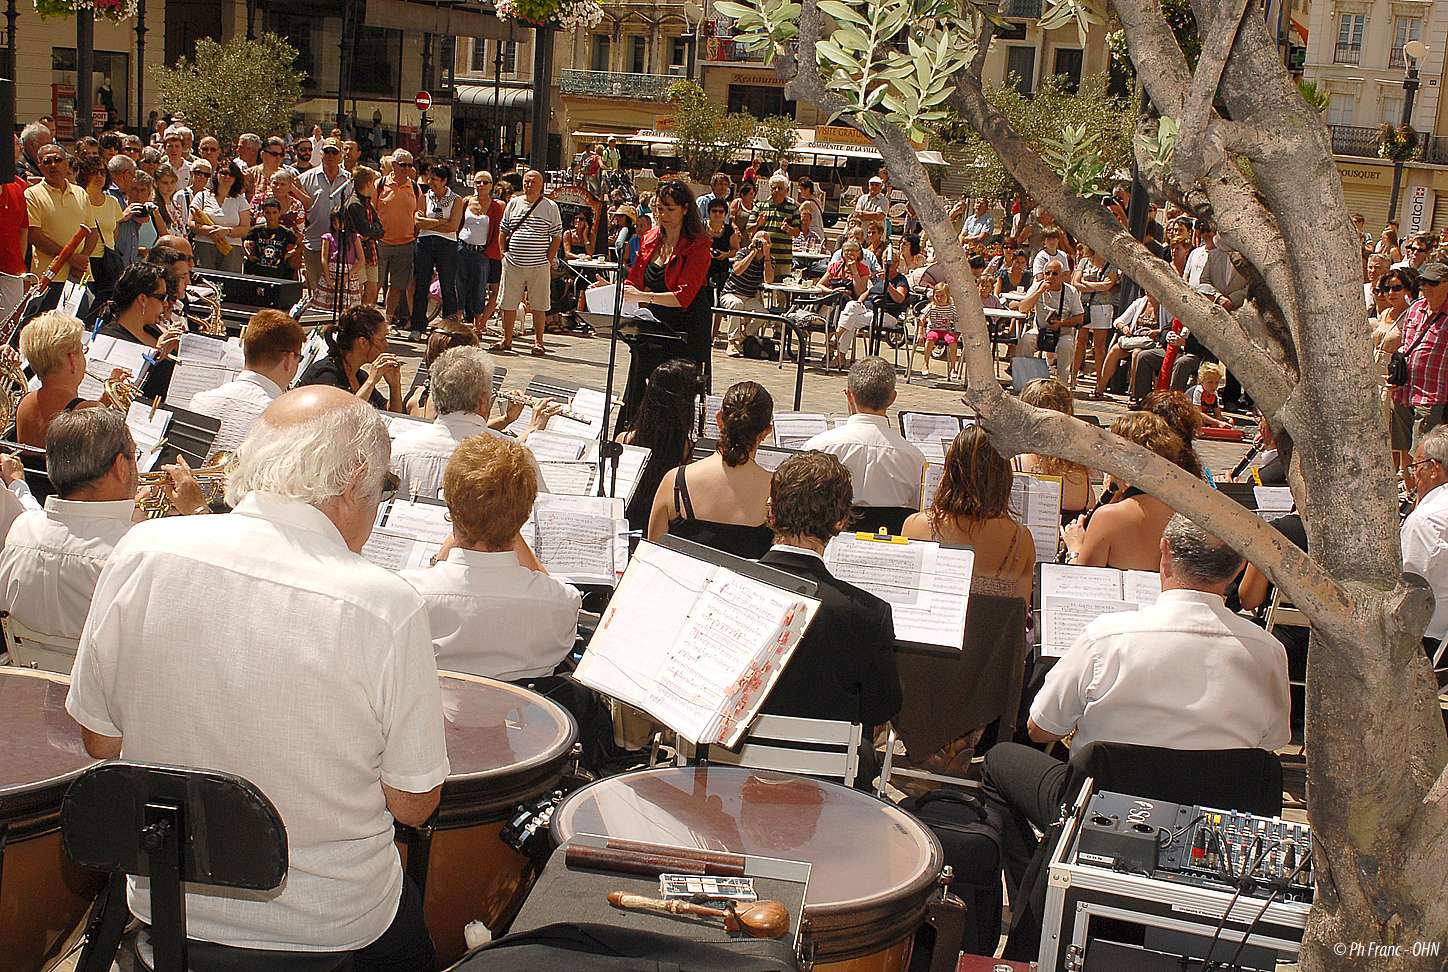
<point>506,746</point>
<point>43,896</point>
<point>873,866</point>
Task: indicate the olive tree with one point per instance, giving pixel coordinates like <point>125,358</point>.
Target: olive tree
<point>1230,137</point>
<point>233,87</point>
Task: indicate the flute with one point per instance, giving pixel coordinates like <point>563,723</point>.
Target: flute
<point>521,399</point>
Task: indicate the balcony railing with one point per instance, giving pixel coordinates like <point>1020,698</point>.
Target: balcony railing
<point>1396,58</point>
<point>1022,9</point>
<point>610,84</point>
<point>1363,143</point>
<point>1347,53</point>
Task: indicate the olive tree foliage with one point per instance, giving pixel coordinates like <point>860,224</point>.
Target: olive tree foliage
<point>233,87</point>
<point>1377,782</point>
<point>706,137</point>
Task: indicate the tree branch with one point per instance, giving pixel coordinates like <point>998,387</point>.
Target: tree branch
<point>1263,376</point>
<point>1197,109</point>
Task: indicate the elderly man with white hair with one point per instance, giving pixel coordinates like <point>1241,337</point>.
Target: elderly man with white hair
<point>779,217</point>
<point>1057,312</point>
<point>461,387</point>
<point>260,643</point>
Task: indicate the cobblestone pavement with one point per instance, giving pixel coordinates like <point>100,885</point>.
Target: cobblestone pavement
<point>584,360</point>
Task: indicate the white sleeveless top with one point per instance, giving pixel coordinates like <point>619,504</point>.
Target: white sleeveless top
<point>435,208</point>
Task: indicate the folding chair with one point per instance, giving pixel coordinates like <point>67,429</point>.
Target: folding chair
<point>175,824</point>
<point>790,744</point>
<point>33,649</point>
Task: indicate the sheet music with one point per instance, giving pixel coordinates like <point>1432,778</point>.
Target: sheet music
<point>694,644</point>
<point>398,551</point>
<point>1273,502</point>
<point>105,354</point>
<point>1036,505</point>
<point>567,477</point>
<point>630,469</point>
<point>575,547</point>
<point>930,478</point>
<point>712,404</point>
<point>587,405</point>
<point>1071,597</point>
<point>771,457</point>
<point>191,378</point>
<point>793,429</point>
<point>927,586</point>
<point>928,428</point>
<point>210,350</point>
<point>397,423</point>
<point>601,300</point>
<point>314,347</point>
<point>424,521</point>
<point>148,430</point>
<point>549,446</point>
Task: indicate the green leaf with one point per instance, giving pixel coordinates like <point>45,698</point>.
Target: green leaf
<point>840,11</point>
<point>832,52</point>
<point>734,11</point>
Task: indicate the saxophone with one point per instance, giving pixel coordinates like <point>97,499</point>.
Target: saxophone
<point>212,324</point>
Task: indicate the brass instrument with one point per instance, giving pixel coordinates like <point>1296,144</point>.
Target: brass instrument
<point>13,386</point>
<point>211,478</point>
<point>120,392</point>
<point>531,402</point>
<point>211,325</point>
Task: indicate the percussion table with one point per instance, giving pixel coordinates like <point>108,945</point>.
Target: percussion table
<point>873,866</point>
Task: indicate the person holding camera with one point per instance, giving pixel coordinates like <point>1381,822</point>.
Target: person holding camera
<point>1056,312</point>
<point>750,271</point>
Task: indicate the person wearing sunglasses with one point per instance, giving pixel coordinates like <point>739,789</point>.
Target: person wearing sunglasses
<point>139,312</point>
<point>1416,251</point>
<point>1426,527</point>
<point>1055,311</point>
<point>397,209</point>
<point>56,208</point>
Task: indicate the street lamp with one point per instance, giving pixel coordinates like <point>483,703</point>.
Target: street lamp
<point>1412,51</point>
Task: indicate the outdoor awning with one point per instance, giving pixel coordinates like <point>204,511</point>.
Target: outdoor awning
<point>481,95</point>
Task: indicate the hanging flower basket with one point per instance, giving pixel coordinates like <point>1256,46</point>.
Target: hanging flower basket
<point>112,10</point>
<point>564,14</point>
<point>1398,144</point>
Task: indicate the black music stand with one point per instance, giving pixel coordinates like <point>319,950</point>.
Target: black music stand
<point>172,824</point>
<point>190,434</point>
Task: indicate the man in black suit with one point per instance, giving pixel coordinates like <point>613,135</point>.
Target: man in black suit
<point>844,667</point>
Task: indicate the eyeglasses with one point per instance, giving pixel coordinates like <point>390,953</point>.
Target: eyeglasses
<point>53,160</point>
<point>390,485</point>
<point>1421,462</point>
<point>1416,249</point>
<point>1391,289</point>
<point>1050,273</point>
<point>213,149</point>
<point>273,153</point>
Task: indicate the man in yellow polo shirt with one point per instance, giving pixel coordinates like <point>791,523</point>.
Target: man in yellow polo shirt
<point>56,209</point>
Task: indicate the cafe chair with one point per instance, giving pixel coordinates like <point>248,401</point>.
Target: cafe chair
<point>823,748</point>
<point>175,824</point>
<point>32,649</point>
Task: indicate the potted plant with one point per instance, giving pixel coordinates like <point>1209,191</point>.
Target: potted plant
<point>112,10</point>
<point>564,14</point>
<point>1397,143</point>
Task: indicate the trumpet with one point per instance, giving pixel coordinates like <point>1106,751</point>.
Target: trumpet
<point>212,324</point>
<point>211,478</point>
<point>531,402</point>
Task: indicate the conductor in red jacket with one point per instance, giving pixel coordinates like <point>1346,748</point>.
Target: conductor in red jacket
<point>668,279</point>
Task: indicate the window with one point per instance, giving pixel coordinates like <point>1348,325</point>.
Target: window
<point>479,62</point>
<point>1068,66</point>
<point>1404,29</point>
<point>296,30</point>
<point>1340,109</point>
<point>638,54</point>
<point>678,52</point>
<point>600,52</point>
<point>375,57</point>
<point>1349,39</point>
<point>759,100</point>
<point>1390,108</point>
<point>510,57</point>
<point>1021,62</point>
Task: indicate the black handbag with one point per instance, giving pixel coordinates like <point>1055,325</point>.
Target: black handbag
<point>105,270</point>
<point>1397,375</point>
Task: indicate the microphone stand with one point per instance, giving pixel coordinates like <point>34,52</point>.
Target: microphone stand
<point>607,447</point>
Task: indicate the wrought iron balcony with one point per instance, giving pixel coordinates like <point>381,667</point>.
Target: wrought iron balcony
<point>727,50</point>
<point>1021,9</point>
<point>1396,58</point>
<point>611,84</point>
<point>1352,140</point>
<point>1347,54</point>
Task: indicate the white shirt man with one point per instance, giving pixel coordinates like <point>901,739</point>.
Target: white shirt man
<point>273,352</point>
<point>1210,264</point>
<point>53,557</point>
<point>260,643</point>
<point>461,384</point>
<point>1183,673</point>
<point>885,469</point>
<point>873,205</point>
<point>1425,531</point>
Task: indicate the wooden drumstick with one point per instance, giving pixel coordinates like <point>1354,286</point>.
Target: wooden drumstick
<point>762,919</point>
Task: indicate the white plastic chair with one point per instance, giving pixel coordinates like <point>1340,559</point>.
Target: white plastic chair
<point>33,649</point>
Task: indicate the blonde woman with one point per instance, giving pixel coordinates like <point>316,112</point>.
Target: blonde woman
<point>1077,496</point>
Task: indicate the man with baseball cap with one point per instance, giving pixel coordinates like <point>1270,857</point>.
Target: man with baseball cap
<point>324,185</point>
<point>397,209</point>
<point>873,206</point>
<point>1420,403</point>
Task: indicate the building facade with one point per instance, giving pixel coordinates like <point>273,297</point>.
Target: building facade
<point>1355,54</point>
